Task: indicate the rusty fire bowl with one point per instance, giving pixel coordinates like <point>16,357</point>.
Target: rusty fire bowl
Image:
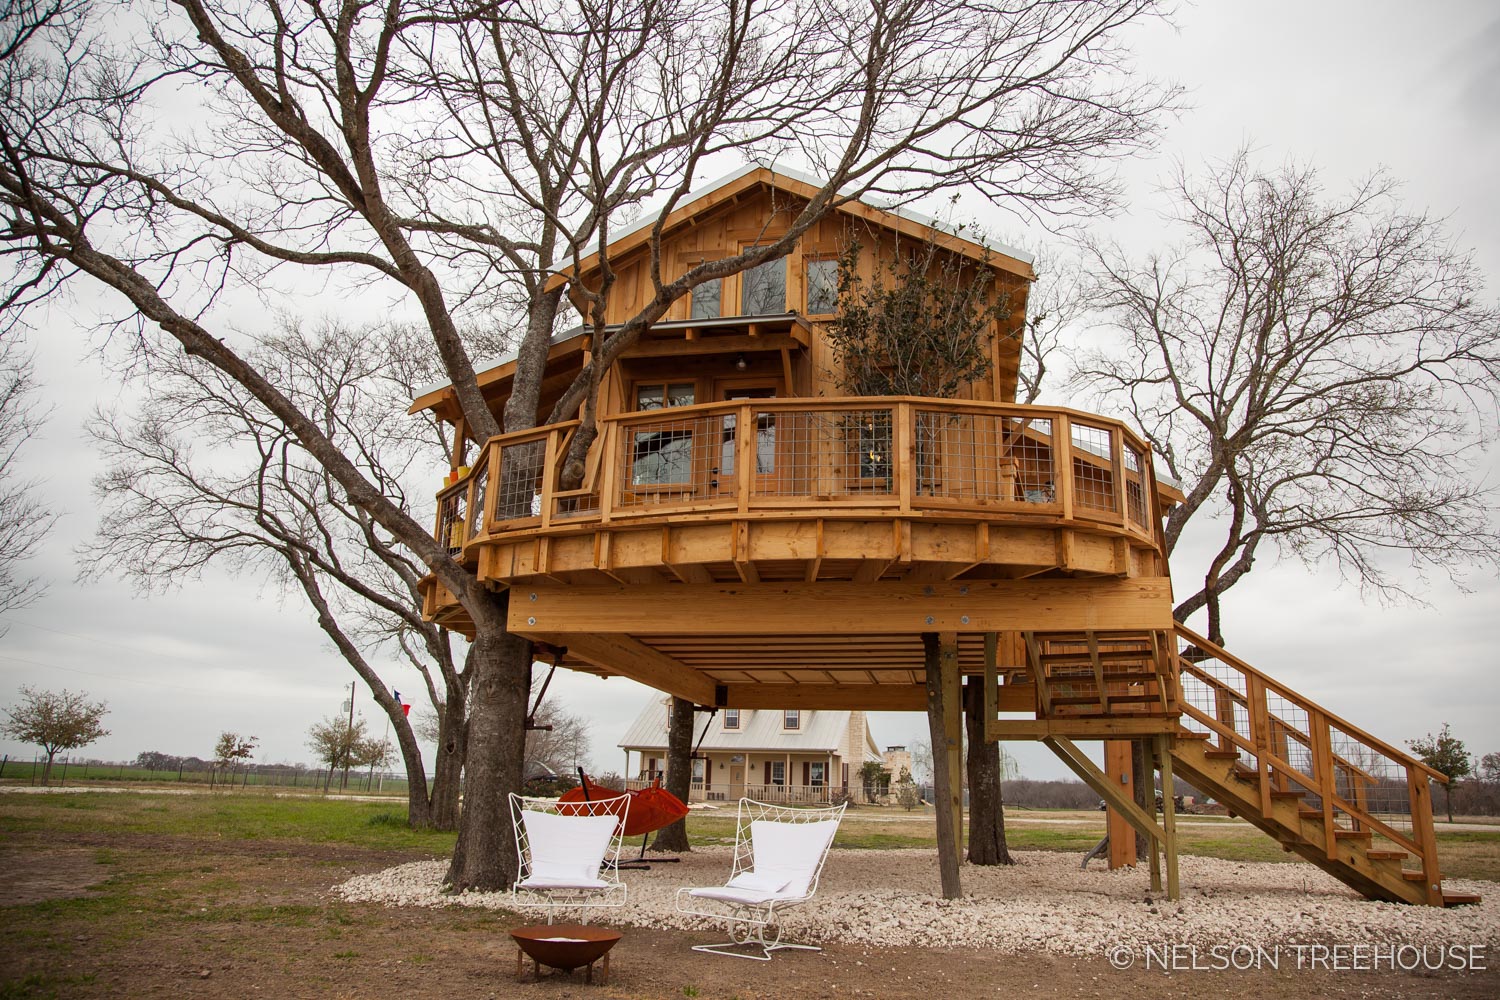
<point>574,945</point>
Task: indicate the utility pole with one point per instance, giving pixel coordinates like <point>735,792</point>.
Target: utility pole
<point>348,741</point>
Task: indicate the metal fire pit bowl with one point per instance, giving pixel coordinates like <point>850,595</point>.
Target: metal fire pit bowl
<point>565,947</point>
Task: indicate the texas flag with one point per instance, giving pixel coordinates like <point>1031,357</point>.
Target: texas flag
<point>405,708</point>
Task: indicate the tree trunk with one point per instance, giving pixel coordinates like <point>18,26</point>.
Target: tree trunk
<point>447,768</point>
<point>942,782</point>
<point>1145,791</point>
<point>1448,798</point>
<point>500,667</point>
<point>47,769</point>
<point>986,805</point>
<point>679,773</point>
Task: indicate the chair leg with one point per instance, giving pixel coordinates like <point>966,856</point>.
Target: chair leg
<point>754,935</point>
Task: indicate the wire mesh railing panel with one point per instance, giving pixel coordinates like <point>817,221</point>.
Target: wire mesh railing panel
<point>452,529</point>
<point>481,488</point>
<point>676,460</point>
<point>1370,780</point>
<point>1135,487</point>
<point>984,458</point>
<point>824,453</point>
<point>1093,471</point>
<point>518,486</point>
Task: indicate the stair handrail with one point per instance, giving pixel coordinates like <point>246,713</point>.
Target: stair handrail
<point>1374,742</point>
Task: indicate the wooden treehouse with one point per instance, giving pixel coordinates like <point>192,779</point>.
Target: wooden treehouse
<point>748,536</point>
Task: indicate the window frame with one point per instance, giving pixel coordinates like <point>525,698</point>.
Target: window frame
<point>808,263</point>
<point>791,720</point>
<point>744,284</point>
<point>732,714</point>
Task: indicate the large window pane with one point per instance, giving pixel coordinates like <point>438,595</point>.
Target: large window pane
<point>763,289</point>
<point>706,298</point>
<point>822,286</point>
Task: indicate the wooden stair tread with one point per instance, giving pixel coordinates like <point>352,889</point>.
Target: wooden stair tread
<point>1412,876</point>
<point>1461,898</point>
<point>1222,754</point>
<point>1277,793</point>
<point>1352,834</point>
<point>1387,855</point>
<point>1110,676</point>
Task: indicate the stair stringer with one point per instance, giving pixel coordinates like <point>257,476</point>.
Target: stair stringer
<point>1379,880</point>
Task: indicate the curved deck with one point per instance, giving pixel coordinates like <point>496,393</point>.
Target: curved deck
<point>808,490</point>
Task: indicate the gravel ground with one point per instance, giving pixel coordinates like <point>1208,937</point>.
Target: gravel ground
<point>1043,903</point>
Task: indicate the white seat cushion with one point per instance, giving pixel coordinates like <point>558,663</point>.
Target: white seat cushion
<point>750,897</point>
<point>790,851</point>
<point>542,882</point>
<point>567,850</point>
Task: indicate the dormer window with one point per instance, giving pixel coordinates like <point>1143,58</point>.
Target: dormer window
<point>792,719</point>
<point>731,718</point>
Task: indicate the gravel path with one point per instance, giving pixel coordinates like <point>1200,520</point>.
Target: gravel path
<point>1044,903</point>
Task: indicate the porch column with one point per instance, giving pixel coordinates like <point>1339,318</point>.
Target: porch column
<point>940,653</point>
<point>786,786</point>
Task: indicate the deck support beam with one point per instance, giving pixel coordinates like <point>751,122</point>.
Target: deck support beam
<point>943,721</point>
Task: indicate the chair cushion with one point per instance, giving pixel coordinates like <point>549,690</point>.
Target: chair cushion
<point>567,850</point>
<point>750,897</point>
<point>769,881</point>
<point>542,882</point>
<point>790,851</point>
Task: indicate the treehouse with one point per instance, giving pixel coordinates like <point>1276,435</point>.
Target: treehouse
<point>748,535</point>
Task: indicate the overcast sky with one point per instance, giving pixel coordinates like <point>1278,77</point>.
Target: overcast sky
<point>1347,87</point>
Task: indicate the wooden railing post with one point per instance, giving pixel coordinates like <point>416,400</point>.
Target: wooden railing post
<point>1260,734</point>
<point>1323,774</point>
<point>1419,797</point>
<point>744,454</point>
<point>903,423</point>
<point>613,440</point>
<point>1062,463</point>
<point>1117,470</point>
<point>549,475</point>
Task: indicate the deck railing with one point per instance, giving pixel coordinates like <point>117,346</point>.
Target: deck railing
<point>1286,743</point>
<point>895,455</point>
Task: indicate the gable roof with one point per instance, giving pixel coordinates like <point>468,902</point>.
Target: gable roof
<point>793,181</point>
<point>760,729</point>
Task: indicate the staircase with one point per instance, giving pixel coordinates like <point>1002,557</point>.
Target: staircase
<point>1348,802</point>
<point>1101,674</point>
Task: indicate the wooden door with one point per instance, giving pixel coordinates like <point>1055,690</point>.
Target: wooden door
<point>736,781</point>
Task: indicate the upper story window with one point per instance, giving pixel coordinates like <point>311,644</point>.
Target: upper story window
<point>660,395</point>
<point>792,719</point>
<point>731,718</point>
<point>822,286</point>
<point>707,299</point>
<point>763,289</point>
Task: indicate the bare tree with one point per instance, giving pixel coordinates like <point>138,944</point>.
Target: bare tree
<point>24,520</point>
<point>256,500</point>
<point>1314,370</point>
<point>55,721</point>
<point>454,157</point>
<point>1058,299</point>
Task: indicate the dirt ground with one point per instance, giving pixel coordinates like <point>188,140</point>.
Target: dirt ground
<point>108,915</point>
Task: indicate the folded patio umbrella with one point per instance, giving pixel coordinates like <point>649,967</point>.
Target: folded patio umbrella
<point>650,808</point>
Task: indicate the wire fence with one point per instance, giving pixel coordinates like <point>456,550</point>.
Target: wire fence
<point>193,771</point>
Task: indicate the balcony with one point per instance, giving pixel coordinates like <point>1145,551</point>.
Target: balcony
<point>797,489</point>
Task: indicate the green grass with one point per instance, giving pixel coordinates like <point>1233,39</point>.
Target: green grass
<point>228,816</point>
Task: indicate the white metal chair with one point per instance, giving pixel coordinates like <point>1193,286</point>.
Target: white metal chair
<point>569,852</point>
<point>778,858</point>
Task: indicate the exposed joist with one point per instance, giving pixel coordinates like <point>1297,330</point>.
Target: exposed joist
<point>631,658</point>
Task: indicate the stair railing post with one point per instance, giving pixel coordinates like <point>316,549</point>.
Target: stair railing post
<point>1260,734</point>
<point>1419,796</point>
<point>1323,773</point>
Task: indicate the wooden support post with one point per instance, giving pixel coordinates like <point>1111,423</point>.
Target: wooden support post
<point>1168,812</point>
<point>940,652</point>
<point>1121,835</point>
<point>1146,789</point>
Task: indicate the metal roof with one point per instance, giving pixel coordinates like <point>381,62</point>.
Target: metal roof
<point>760,729</point>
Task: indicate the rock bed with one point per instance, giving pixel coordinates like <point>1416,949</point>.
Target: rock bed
<point>1043,903</point>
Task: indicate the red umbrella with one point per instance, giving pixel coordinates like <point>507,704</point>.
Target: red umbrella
<point>650,808</point>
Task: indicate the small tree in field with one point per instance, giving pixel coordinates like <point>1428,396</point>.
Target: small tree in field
<point>335,741</point>
<point>873,779</point>
<point>231,751</point>
<point>906,791</point>
<point>1447,756</point>
<point>55,721</point>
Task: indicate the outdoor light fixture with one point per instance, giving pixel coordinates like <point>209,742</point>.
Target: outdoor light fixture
<point>740,364</point>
